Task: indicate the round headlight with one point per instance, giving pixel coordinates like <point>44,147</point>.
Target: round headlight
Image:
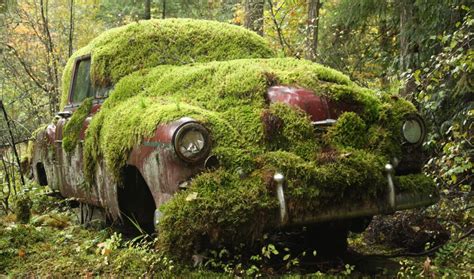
<point>413,130</point>
<point>192,142</point>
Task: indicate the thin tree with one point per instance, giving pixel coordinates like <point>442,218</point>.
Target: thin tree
<point>253,18</point>
<point>163,13</point>
<point>147,14</point>
<point>12,139</point>
<point>312,29</point>
<point>71,27</point>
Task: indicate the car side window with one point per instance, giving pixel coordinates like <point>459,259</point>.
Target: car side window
<point>81,86</point>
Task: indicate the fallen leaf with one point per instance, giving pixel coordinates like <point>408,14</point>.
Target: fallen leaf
<point>21,253</point>
<point>192,196</point>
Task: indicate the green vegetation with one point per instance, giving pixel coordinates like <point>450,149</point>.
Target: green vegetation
<point>121,51</point>
<point>419,49</point>
<point>231,109</point>
<point>73,127</point>
<point>53,245</point>
<point>23,209</point>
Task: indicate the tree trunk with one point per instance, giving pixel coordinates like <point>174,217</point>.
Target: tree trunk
<point>163,13</point>
<point>312,29</point>
<point>147,14</point>
<point>12,142</point>
<point>408,50</point>
<point>385,48</point>
<point>253,18</point>
<point>52,67</point>
<point>71,27</point>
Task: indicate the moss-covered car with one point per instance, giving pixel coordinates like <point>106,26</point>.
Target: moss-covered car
<point>197,129</point>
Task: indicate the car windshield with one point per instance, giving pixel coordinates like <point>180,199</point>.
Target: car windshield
<point>82,85</point>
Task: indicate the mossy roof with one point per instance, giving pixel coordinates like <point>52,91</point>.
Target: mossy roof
<point>144,44</point>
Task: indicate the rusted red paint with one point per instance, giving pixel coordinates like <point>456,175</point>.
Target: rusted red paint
<point>316,106</point>
<point>51,133</point>
<point>170,169</point>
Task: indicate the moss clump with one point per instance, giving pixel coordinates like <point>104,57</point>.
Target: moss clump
<point>23,209</point>
<point>352,173</point>
<point>235,210</point>
<point>359,100</point>
<point>144,44</point>
<point>385,135</point>
<point>350,130</point>
<point>239,208</point>
<point>294,132</point>
<point>418,183</point>
<point>73,127</point>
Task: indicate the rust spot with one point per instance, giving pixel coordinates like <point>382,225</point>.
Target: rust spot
<point>271,78</point>
<point>269,181</point>
<point>272,124</point>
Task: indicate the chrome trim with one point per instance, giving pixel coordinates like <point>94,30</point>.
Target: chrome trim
<point>327,122</point>
<point>391,187</point>
<point>367,208</point>
<point>279,179</point>
<point>347,210</point>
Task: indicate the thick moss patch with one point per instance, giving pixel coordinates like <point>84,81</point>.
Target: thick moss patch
<point>121,51</point>
<point>73,127</point>
<point>235,210</point>
<point>228,97</point>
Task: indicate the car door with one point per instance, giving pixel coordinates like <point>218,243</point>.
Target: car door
<point>71,163</point>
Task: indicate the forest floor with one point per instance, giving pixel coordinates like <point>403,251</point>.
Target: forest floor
<point>54,244</point>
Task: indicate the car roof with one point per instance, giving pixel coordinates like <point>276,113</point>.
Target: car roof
<point>145,44</point>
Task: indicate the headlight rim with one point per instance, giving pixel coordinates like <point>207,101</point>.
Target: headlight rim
<point>416,117</point>
<point>181,131</point>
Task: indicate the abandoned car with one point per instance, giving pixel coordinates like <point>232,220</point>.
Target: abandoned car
<point>198,130</point>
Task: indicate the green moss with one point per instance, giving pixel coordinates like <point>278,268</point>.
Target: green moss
<point>73,127</point>
<point>228,97</point>
<point>238,209</point>
<point>144,44</point>
<point>385,135</point>
<point>350,173</point>
<point>23,209</point>
<point>235,209</point>
<point>418,183</point>
<point>294,132</point>
<point>350,130</point>
<point>353,98</point>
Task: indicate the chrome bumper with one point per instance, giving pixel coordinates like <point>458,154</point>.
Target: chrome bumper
<point>393,202</point>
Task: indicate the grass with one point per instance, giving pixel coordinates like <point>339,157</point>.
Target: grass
<point>53,244</point>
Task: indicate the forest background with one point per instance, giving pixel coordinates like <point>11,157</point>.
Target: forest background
<point>420,49</point>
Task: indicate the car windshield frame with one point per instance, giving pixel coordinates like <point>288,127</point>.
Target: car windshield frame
<point>92,91</point>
